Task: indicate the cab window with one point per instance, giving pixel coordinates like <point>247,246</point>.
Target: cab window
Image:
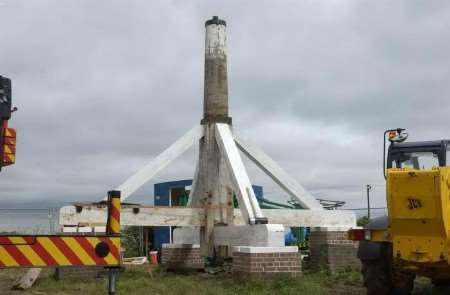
<point>448,157</point>
<point>417,160</point>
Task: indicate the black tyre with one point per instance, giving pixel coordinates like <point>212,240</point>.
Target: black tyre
<point>381,278</point>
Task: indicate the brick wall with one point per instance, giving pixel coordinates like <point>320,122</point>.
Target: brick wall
<point>266,263</point>
<point>332,250</point>
<point>181,257</point>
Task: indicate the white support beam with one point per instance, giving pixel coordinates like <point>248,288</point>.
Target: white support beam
<point>274,171</point>
<point>242,185</point>
<point>306,217</point>
<point>158,163</point>
<point>92,215</point>
<point>195,186</point>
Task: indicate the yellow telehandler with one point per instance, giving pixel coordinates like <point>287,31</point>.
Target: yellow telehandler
<point>414,238</point>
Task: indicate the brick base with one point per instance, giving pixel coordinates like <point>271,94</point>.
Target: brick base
<point>90,272</point>
<point>181,257</point>
<point>333,251</point>
<point>265,263</point>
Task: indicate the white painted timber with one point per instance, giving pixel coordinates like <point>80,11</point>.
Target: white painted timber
<point>176,246</point>
<point>147,216</point>
<point>250,249</point>
<point>239,177</point>
<point>160,162</point>
<point>306,218</point>
<point>257,235</point>
<point>274,171</point>
<point>183,216</point>
<point>195,186</point>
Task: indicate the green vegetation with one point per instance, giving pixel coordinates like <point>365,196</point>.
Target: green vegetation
<point>138,281</point>
<point>130,241</point>
<point>362,221</point>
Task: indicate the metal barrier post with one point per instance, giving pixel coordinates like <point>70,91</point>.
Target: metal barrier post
<point>113,228</point>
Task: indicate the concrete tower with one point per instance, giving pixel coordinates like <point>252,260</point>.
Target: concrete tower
<point>220,175</point>
<point>212,187</point>
<point>215,103</point>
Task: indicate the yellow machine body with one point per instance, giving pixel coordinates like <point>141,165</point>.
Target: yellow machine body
<point>419,218</point>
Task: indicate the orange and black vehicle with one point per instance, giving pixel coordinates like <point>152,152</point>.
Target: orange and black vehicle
<point>7,135</point>
<point>59,250</point>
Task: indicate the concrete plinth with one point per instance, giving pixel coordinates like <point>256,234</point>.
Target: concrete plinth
<point>181,257</point>
<point>331,249</point>
<point>266,261</point>
<point>257,235</point>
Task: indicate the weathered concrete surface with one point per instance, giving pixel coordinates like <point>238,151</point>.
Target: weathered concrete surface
<point>211,187</point>
<point>215,104</point>
<point>257,235</point>
<point>260,235</point>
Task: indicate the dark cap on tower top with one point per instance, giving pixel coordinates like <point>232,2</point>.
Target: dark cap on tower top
<point>215,21</point>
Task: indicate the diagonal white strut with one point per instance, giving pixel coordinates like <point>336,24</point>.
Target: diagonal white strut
<point>242,185</point>
<point>158,163</point>
<point>274,171</point>
<point>194,186</point>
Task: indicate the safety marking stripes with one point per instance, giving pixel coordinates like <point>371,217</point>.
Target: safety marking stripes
<point>9,159</point>
<point>6,258</point>
<point>80,252</point>
<point>114,245</point>
<point>42,251</point>
<point>54,251</point>
<point>9,140</point>
<point>91,252</point>
<point>9,149</point>
<point>10,132</point>
<point>94,241</point>
<point>114,217</point>
<point>65,249</point>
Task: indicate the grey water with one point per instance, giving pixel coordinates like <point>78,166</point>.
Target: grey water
<point>28,220</point>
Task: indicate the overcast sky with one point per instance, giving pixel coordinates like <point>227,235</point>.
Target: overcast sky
<point>103,86</point>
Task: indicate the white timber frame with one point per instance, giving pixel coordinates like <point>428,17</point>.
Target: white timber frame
<point>93,215</point>
<point>229,145</point>
<point>161,161</point>
<point>277,174</point>
<point>242,185</point>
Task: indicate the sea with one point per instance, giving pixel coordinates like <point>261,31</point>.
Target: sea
<point>29,220</point>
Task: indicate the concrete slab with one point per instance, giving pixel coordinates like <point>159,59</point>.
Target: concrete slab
<point>259,235</point>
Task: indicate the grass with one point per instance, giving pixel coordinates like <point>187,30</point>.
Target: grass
<point>137,281</point>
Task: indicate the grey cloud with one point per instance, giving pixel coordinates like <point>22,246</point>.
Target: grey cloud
<point>102,87</point>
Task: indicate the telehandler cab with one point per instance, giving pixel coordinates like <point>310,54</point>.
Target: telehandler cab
<point>414,239</point>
